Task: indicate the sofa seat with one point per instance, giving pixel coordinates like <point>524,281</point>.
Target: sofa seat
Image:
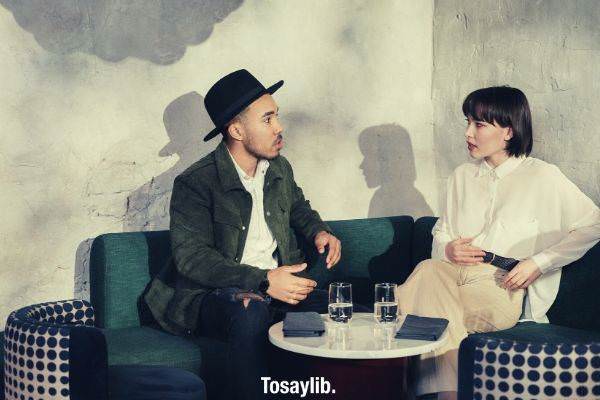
<point>149,346</point>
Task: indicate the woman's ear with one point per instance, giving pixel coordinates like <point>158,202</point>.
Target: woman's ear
<point>508,134</point>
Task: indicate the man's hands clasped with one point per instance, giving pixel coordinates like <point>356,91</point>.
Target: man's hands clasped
<point>286,287</point>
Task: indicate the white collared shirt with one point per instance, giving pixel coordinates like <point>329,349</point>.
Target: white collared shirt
<point>260,247</point>
<point>524,208</point>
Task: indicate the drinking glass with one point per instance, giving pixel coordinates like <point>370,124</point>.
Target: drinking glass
<point>340,302</point>
<point>386,307</point>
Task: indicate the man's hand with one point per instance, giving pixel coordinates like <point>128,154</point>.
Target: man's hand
<point>335,247</point>
<point>287,287</point>
<point>460,251</point>
<point>522,275</point>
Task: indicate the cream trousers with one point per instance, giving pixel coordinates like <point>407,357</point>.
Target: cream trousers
<point>470,298</point>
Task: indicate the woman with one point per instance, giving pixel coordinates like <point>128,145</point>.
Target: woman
<point>511,205</point>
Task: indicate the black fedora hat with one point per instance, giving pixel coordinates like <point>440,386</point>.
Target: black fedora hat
<point>230,95</point>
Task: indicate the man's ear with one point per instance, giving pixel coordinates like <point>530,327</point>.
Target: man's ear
<point>235,130</point>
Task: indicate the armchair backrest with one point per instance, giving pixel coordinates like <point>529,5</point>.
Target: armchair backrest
<point>373,250</point>
<point>121,265</point>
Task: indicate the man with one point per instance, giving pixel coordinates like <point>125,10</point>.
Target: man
<point>236,260</point>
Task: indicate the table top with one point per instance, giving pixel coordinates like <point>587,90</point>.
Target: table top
<point>362,338</point>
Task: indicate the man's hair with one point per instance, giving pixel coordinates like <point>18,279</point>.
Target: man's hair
<point>508,107</point>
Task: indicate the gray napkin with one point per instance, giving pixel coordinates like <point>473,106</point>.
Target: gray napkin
<point>303,324</point>
<point>422,328</point>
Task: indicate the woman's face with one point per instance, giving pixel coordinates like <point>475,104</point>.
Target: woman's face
<point>485,140</point>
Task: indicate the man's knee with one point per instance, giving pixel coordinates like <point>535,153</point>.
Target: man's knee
<point>252,319</point>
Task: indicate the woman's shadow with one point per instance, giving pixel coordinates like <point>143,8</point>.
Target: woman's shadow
<point>389,166</point>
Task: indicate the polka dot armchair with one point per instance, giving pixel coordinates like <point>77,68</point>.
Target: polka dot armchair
<point>500,368</point>
<point>52,350</point>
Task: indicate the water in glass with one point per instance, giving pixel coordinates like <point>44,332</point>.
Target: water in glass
<point>386,307</point>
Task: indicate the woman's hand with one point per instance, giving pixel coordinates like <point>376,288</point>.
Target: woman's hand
<point>460,251</point>
<point>522,275</point>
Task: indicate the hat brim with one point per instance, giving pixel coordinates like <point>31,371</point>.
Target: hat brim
<point>270,90</point>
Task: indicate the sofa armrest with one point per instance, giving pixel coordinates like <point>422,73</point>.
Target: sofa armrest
<point>530,361</point>
<point>52,350</point>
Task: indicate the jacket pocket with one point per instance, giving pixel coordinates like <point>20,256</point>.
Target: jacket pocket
<point>226,216</point>
<point>284,209</point>
<point>227,229</point>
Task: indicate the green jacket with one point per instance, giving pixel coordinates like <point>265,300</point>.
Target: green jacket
<point>210,210</point>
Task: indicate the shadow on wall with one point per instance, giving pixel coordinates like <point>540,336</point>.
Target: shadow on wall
<point>157,31</point>
<point>389,166</point>
<point>186,122</point>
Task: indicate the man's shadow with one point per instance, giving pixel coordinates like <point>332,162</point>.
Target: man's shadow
<point>389,166</point>
<point>186,122</point>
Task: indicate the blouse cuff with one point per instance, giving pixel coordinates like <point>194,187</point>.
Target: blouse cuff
<point>543,261</point>
<point>438,250</point>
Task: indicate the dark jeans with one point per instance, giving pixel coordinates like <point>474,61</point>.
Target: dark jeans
<point>224,316</point>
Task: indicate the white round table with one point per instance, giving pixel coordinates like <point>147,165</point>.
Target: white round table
<point>362,339</point>
<point>350,355</point>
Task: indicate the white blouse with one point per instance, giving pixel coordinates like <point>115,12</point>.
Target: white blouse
<point>524,208</point>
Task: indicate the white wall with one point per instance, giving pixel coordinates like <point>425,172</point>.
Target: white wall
<point>90,97</point>
<point>549,49</point>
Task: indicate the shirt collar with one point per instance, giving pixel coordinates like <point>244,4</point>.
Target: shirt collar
<point>261,168</point>
<point>501,170</point>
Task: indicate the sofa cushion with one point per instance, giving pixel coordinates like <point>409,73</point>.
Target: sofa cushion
<point>422,239</point>
<point>121,265</point>
<point>149,346</point>
<point>373,250</point>
<point>577,304</point>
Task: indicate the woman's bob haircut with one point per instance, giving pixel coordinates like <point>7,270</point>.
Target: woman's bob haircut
<point>507,107</point>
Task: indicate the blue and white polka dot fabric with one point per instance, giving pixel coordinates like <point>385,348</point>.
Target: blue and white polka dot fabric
<point>36,349</point>
<point>507,370</point>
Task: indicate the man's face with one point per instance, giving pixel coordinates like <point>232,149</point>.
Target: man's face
<point>261,128</point>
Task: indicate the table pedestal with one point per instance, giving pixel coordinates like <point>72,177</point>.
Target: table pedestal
<point>351,379</point>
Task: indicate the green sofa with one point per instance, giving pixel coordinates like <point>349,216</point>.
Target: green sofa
<point>374,250</point>
<point>122,264</point>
